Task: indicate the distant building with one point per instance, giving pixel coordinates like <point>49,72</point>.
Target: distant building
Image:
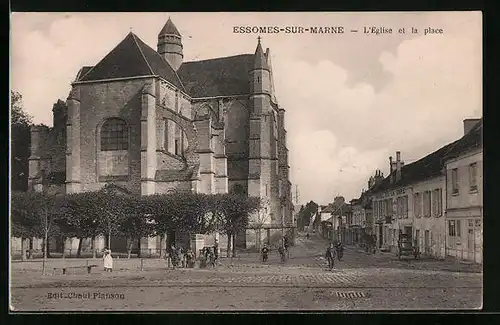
<point>410,200</point>
<point>326,226</point>
<point>362,213</point>
<point>464,195</point>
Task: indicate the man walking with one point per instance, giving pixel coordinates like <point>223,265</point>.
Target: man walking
<point>330,256</point>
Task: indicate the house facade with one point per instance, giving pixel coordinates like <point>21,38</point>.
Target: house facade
<point>464,198</point>
<point>417,200</point>
<point>410,201</point>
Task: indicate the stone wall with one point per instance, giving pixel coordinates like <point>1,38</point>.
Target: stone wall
<point>99,101</point>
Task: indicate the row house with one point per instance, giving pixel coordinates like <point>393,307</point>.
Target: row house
<point>464,196</point>
<point>362,212</point>
<point>410,200</point>
<point>342,220</point>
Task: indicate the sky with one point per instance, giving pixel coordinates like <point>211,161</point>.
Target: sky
<point>351,100</point>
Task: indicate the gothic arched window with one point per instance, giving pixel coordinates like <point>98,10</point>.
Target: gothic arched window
<point>114,135</point>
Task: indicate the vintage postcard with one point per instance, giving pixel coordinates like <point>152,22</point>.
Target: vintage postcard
<point>246,161</point>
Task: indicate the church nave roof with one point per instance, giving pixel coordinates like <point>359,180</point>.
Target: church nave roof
<point>131,58</point>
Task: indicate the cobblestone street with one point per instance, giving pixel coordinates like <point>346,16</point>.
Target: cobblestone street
<point>358,281</point>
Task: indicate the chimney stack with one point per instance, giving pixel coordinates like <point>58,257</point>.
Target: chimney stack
<point>399,165</point>
<point>469,124</point>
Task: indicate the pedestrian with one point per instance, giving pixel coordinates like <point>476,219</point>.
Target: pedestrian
<point>307,235</point>
<point>173,256</point>
<point>189,257</point>
<point>216,250</point>
<point>108,260</point>
<point>330,255</point>
<point>286,244</point>
<point>281,251</point>
<point>180,256</point>
<point>265,253</point>
<point>339,247</point>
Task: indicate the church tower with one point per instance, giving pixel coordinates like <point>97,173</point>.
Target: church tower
<point>260,160</point>
<point>170,45</point>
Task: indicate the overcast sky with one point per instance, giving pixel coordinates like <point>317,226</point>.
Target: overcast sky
<point>352,100</point>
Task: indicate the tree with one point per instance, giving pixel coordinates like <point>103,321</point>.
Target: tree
<point>112,213</point>
<point>198,215</point>
<point>136,223</point>
<point>20,143</point>
<point>162,209</point>
<point>233,211</point>
<point>310,209</point>
<point>34,213</point>
<point>79,217</point>
<point>23,222</point>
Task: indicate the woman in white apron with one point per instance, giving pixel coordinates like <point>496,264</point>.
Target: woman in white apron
<point>108,260</point>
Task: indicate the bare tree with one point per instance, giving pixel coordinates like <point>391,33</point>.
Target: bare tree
<point>262,217</point>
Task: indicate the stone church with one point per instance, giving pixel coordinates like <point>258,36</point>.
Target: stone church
<point>148,122</point>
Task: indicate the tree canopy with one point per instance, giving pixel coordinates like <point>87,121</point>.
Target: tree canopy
<point>20,143</point>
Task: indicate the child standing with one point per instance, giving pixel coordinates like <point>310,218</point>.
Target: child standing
<point>108,260</point>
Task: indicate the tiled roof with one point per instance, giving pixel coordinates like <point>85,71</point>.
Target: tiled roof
<point>431,166</point>
<point>217,77</point>
<point>131,58</point>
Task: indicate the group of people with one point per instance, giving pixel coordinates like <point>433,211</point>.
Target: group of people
<point>209,256</point>
<point>334,250</point>
<point>283,250</point>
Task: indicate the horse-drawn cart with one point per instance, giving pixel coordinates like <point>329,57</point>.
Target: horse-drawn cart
<point>406,247</point>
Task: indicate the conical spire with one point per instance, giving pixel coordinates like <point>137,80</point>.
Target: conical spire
<point>260,60</point>
<point>169,29</point>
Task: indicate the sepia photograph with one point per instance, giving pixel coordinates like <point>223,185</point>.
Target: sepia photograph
<point>246,161</point>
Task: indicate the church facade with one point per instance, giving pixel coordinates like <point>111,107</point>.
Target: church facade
<point>148,122</point>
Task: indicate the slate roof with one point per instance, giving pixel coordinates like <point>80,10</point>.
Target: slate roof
<point>83,71</point>
<point>217,77</point>
<point>169,29</point>
<point>432,165</point>
<point>328,209</point>
<point>472,140</point>
<point>131,58</point>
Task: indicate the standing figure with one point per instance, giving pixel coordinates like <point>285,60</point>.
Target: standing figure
<point>173,256</point>
<point>265,253</point>
<point>189,257</point>
<point>281,251</point>
<point>108,260</point>
<point>286,244</point>
<point>330,256</point>
<point>216,250</point>
<point>180,256</point>
<point>339,247</point>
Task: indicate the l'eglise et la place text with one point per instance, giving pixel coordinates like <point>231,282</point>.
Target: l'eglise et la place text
<point>85,295</point>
